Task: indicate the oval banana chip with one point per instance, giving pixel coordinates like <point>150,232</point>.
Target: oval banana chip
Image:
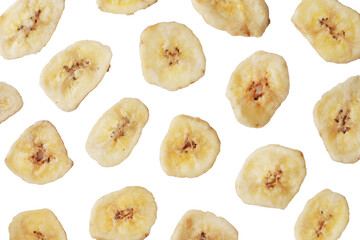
<point>10,101</point>
<point>27,26</point>
<point>124,6</point>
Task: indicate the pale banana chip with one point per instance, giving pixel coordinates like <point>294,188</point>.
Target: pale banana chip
<point>124,6</point>
<point>198,225</point>
<point>36,225</point>
<point>10,101</point>
<point>324,217</point>
<point>271,176</point>
<point>127,214</point>
<point>116,133</point>
<point>332,29</point>
<point>257,88</point>
<point>74,72</point>
<point>39,155</point>
<point>171,56</point>
<point>27,26</point>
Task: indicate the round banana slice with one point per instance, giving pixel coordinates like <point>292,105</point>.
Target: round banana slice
<point>171,56</point>
<point>257,88</point>
<point>271,176</point>
<point>27,26</point>
<point>337,118</point>
<point>124,6</point>
<point>332,29</point>
<point>198,225</point>
<point>39,155</point>
<point>237,17</point>
<point>324,217</point>
<point>36,225</point>
<point>190,147</point>
<point>116,133</point>
<point>127,214</point>
<point>74,72</point>
<point>10,101</point>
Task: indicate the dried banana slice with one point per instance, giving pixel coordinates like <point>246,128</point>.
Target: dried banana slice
<point>257,88</point>
<point>324,217</point>
<point>271,176</point>
<point>171,56</point>
<point>198,225</point>
<point>332,29</point>
<point>124,6</point>
<point>10,101</point>
<point>337,118</point>
<point>36,225</point>
<point>248,18</point>
<point>116,133</point>
<point>127,214</point>
<point>74,72</point>
<point>27,26</point>
<point>190,147</point>
<point>39,155</point>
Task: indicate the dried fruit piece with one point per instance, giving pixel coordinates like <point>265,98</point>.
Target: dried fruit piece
<point>257,88</point>
<point>190,147</point>
<point>237,17</point>
<point>337,118</point>
<point>198,225</point>
<point>332,29</point>
<point>127,214</point>
<point>271,176</point>
<point>39,155</point>
<point>74,72</point>
<point>10,101</point>
<point>171,56</point>
<point>116,133</point>
<point>324,217</point>
<point>36,225</point>
<point>27,26</point>
<point>124,6</point>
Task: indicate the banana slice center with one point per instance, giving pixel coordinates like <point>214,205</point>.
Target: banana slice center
<point>39,235</point>
<point>343,121</point>
<point>40,157</point>
<point>172,56</point>
<point>326,24</point>
<point>257,89</point>
<point>72,71</point>
<point>125,214</point>
<point>31,24</point>
<point>322,223</point>
<point>272,179</point>
<point>120,129</point>
<point>203,236</point>
<point>188,145</point>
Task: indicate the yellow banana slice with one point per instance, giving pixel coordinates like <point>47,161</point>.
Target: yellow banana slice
<point>337,118</point>
<point>171,56</point>
<point>248,18</point>
<point>124,6</point>
<point>10,101</point>
<point>39,155</point>
<point>198,225</point>
<point>74,72</point>
<point>257,88</point>
<point>36,225</point>
<point>190,147</point>
<point>127,214</point>
<point>332,29</point>
<point>271,176</point>
<point>324,217</point>
<point>27,26</point>
<point>116,133</point>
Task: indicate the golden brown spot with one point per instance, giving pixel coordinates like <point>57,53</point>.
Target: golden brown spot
<point>324,22</point>
<point>188,144</point>
<point>322,223</point>
<point>78,65</point>
<point>120,129</point>
<point>40,157</point>
<point>273,178</point>
<point>257,88</point>
<point>39,235</point>
<point>172,56</point>
<point>343,121</point>
<point>124,214</point>
<point>203,236</point>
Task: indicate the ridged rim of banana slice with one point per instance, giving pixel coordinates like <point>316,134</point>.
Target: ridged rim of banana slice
<point>27,26</point>
<point>258,87</point>
<point>271,176</point>
<point>337,118</point>
<point>39,224</point>
<point>237,17</point>
<point>128,214</point>
<point>124,7</point>
<point>190,147</point>
<point>10,101</point>
<point>199,225</point>
<point>171,56</point>
<point>325,217</point>
<point>116,133</point>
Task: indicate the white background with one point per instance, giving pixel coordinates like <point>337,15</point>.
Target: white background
<point>72,197</point>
